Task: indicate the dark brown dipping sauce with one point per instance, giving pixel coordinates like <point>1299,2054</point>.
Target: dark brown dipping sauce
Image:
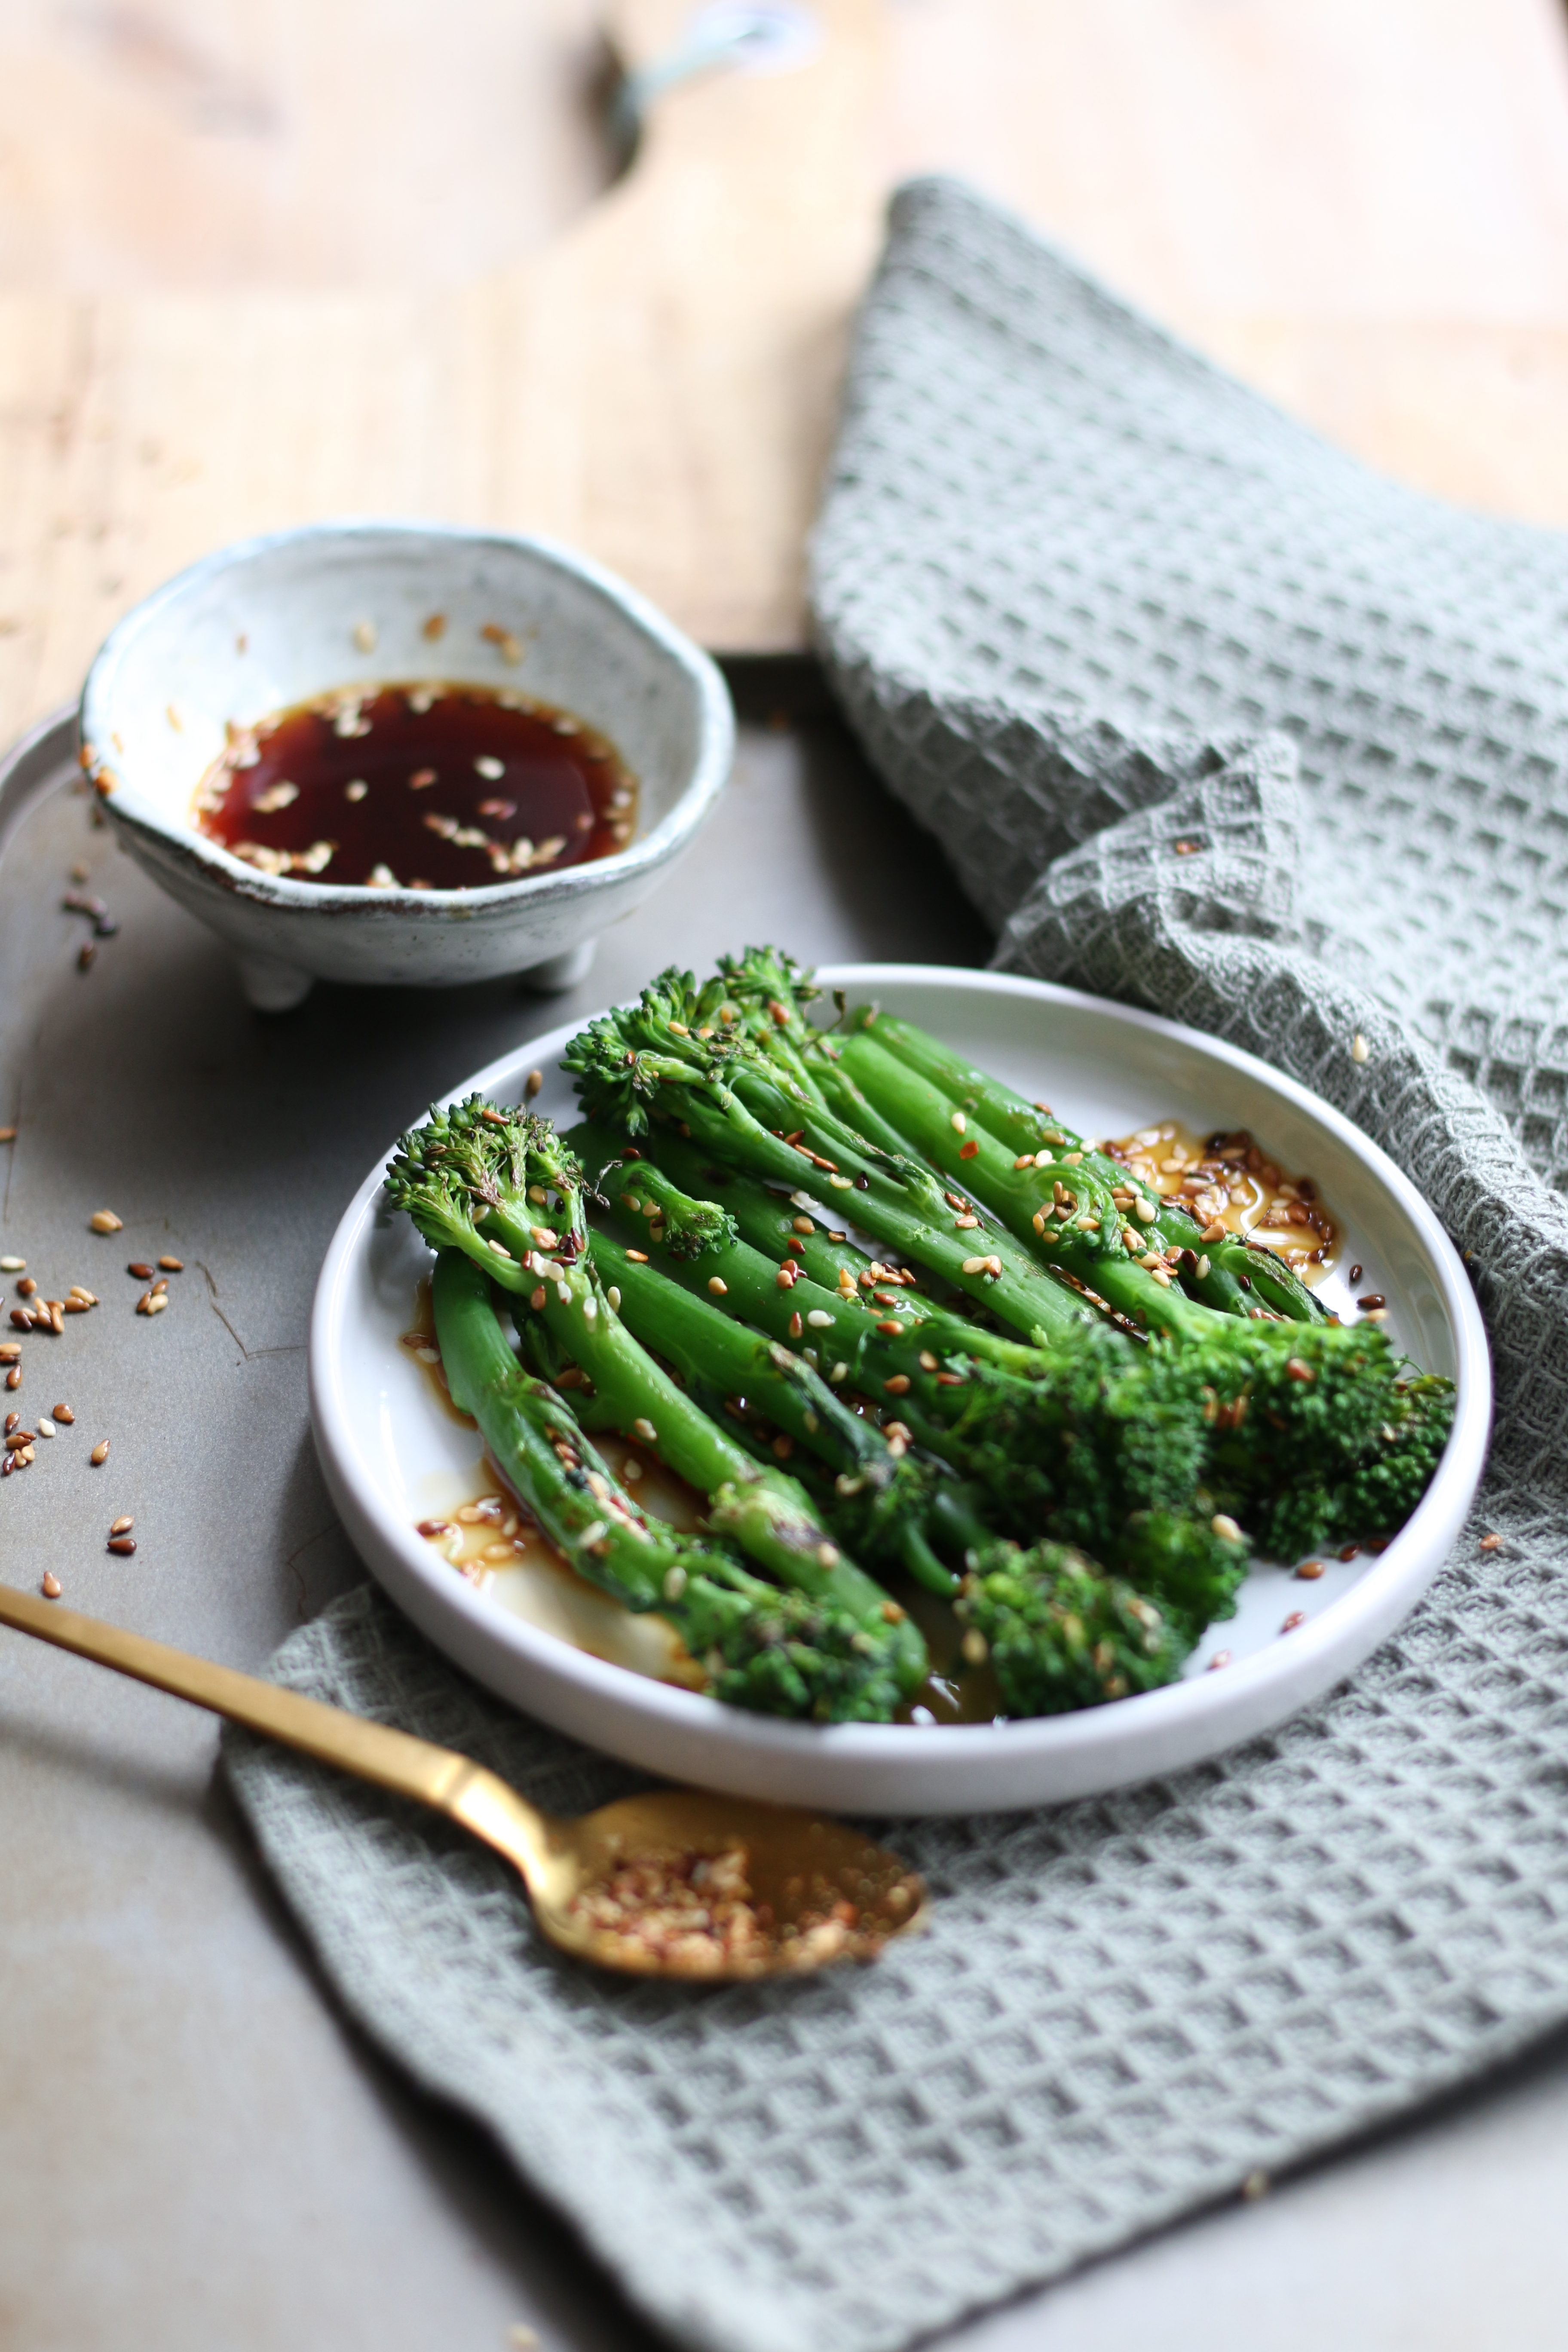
<point>418,787</point>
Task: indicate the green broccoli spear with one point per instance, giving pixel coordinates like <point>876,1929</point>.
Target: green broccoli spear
<point>1310,1435</point>
<point>477,1166</point>
<point>669,1054</point>
<point>776,1652</point>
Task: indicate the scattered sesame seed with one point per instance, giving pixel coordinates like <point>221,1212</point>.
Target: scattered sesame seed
<point>1359,1047</point>
<point>960,1124</point>
<point>1220,1658</point>
<point>104,1221</point>
<point>169,1266</point>
<point>45,1426</point>
<point>899,1382</point>
<point>533,1083</point>
<point>1310,1570</point>
<point>638,1257</point>
<point>975,1647</point>
<point>122,1526</point>
<point>718,1287</point>
<point>26,1287</point>
<point>123,1545</point>
<point>13,1264</point>
<point>51,1587</point>
<point>141,1272</point>
<point>1202,1269</point>
<point>644,1429</point>
<point>1147,1209</point>
<point>1224,1527</point>
<point>1491,1543</point>
<point>826,1555</point>
<point>1296,1617</point>
<point>100,1453</point>
<point>974,1264</point>
<point>13,1377</point>
<point>365,636</point>
<point>820,1319</point>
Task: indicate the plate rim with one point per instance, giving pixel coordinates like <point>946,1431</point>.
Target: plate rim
<point>1184,1722</point>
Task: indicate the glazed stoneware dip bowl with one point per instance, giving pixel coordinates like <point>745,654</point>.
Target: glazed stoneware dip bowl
<point>269,623</point>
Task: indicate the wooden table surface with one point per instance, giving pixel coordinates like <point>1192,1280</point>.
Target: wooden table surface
<point>263,265</point>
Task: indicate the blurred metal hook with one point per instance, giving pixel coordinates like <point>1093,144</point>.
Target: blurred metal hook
<point>769,37</point>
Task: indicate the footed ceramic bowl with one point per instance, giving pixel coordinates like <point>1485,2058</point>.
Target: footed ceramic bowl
<point>270,622</point>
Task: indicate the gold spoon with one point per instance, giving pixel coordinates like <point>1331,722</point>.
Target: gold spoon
<point>673,1884</point>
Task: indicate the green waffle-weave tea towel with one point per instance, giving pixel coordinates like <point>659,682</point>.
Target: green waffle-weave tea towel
<point>1084,597</point>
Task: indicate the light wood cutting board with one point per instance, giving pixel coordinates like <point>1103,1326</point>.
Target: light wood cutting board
<point>1366,214</point>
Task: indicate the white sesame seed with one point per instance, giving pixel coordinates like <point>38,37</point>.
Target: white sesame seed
<point>104,1221</point>
<point>820,1319</point>
<point>1203,1269</point>
<point>717,1286</point>
<point>596,1534</point>
<point>646,1431</point>
<point>45,1426</point>
<point>13,1264</point>
<point>1359,1047</point>
<point>827,1555</point>
<point>674,1584</point>
<point>493,769</point>
<point>564,1293</point>
<point>1224,1527</point>
<point>365,636</point>
<point>960,1123</point>
<point>613,1296</point>
<point>1146,1209</point>
<point>974,1264</point>
<point>842,1183</point>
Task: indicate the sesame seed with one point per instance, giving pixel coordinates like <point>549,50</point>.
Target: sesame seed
<point>927,1360</point>
<point>975,1647</point>
<point>960,1123</point>
<point>1310,1570</point>
<point>51,1587</point>
<point>1224,1527</point>
<point>26,1287</point>
<point>820,1319</point>
<point>1296,1617</point>
<point>1256,2184</point>
<point>1368,1305</point>
<point>1146,1209</point>
<point>13,1264</point>
<point>13,1377</point>
<point>168,1264</point>
<point>123,1545</point>
<point>717,1286</point>
<point>638,1257</point>
<point>104,1221</point>
<point>795,1325</point>
<point>842,1183</point>
<point>974,1264</point>
<point>100,1453</point>
<point>1203,1267</point>
<point>365,636</point>
<point>644,1429</point>
<point>533,1083</point>
<point>613,1296</point>
<point>142,1273</point>
<point>45,1426</point>
<point>826,1555</point>
<point>1491,1543</point>
<point>1220,1658</point>
<point>122,1526</point>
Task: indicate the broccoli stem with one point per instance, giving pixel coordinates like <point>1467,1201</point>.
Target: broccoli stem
<point>777,1227</point>
<point>1062,1208</point>
<point>1240,1276</point>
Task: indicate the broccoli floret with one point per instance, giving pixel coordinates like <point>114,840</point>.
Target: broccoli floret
<point>1061,1633</point>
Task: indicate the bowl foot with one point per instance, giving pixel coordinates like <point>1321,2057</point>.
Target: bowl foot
<point>561,971</point>
<point>272,986</point>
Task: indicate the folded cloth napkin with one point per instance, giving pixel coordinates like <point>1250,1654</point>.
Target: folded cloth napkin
<point>1085,597</point>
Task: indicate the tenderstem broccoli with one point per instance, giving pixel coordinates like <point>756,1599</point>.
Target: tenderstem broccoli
<point>776,1652</point>
<point>502,1187</point>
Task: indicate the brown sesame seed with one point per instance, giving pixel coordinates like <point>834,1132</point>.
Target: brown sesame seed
<point>100,1453</point>
<point>13,1377</point>
<point>1310,1570</point>
<point>897,1385</point>
<point>1491,1543</point>
<point>1368,1305</point>
<point>1355,1276</point>
<point>13,1420</point>
<point>795,1326</point>
<point>1220,1658</point>
<point>638,1257</point>
<point>717,1286</point>
<point>171,1264</point>
<point>122,1526</point>
<point>26,1287</point>
<point>87,955</point>
<point>435,626</point>
<point>63,1412</point>
<point>51,1587</point>
<point>143,1272</point>
<point>123,1545</point>
<point>7,1135</point>
<point>533,1083</point>
<point>1349,1551</point>
<point>1296,1617</point>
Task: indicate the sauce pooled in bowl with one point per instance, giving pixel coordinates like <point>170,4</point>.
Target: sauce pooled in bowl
<point>417,786</point>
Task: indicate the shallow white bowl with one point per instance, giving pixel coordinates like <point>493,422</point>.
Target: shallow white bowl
<point>268,623</point>
<point>386,1446</point>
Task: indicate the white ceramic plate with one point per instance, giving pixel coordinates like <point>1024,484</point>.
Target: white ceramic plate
<point>391,1454</point>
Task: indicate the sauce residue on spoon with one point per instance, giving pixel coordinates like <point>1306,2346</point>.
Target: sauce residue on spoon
<point>418,786</point>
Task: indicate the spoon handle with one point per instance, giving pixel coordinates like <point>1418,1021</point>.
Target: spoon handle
<point>373,1752</point>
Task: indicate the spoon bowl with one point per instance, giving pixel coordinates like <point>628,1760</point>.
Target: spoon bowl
<point>675,1882</point>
